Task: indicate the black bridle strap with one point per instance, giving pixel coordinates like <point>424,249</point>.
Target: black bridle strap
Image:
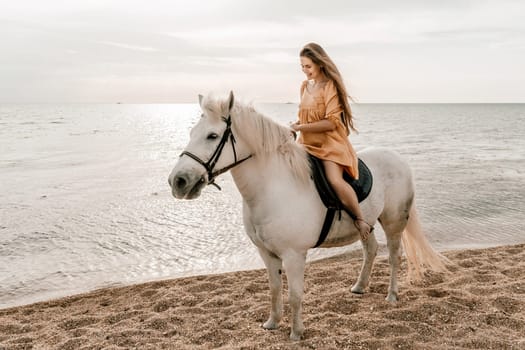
<point>215,156</point>
<point>210,164</point>
<point>225,169</point>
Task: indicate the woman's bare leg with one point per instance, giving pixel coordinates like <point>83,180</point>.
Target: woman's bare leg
<point>346,194</point>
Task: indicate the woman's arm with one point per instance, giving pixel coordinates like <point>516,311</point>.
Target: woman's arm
<point>318,126</point>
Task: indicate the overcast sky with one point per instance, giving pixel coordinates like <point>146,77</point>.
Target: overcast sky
<point>62,51</point>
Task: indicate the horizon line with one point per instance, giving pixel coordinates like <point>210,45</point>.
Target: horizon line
<point>255,102</point>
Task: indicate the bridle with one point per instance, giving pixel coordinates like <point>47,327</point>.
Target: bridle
<point>210,164</point>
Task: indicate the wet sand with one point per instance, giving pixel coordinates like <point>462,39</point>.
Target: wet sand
<point>479,305</point>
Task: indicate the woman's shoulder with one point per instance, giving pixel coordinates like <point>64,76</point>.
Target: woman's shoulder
<point>329,87</point>
<point>330,84</point>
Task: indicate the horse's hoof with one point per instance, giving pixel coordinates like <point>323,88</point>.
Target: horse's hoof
<point>270,324</point>
<point>357,290</point>
<point>296,336</point>
<point>391,297</point>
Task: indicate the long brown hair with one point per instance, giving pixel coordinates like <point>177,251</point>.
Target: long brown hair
<point>319,56</point>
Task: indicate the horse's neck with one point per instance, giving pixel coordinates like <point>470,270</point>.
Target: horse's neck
<point>256,179</point>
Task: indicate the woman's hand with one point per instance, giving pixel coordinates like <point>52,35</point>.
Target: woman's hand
<point>295,126</point>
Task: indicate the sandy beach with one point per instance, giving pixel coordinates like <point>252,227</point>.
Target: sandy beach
<point>479,305</point>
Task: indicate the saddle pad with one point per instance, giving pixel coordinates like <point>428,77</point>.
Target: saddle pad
<point>362,187</point>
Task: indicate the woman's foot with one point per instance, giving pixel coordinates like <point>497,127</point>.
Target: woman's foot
<point>364,228</point>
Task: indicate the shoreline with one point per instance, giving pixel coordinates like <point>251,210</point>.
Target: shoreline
<point>352,253</point>
<point>481,304</point>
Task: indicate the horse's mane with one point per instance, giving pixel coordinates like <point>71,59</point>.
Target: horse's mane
<point>264,136</point>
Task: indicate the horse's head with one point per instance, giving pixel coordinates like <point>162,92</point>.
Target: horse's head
<point>212,149</point>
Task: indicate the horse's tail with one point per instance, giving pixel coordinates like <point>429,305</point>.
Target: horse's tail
<point>419,253</point>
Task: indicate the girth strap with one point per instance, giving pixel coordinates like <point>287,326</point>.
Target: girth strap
<point>328,220</point>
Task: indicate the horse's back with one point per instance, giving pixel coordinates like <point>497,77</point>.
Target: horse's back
<point>386,164</point>
<point>392,177</point>
<point>393,188</point>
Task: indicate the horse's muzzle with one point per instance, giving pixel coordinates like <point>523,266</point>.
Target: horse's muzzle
<point>185,185</point>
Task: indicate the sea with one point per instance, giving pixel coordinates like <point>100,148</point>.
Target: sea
<point>85,201</point>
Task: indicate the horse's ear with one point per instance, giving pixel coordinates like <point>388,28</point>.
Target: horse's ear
<point>230,101</point>
<point>200,99</point>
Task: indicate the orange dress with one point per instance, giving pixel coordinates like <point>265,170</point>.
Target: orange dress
<point>323,103</point>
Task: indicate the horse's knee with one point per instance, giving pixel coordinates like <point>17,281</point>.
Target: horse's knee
<point>395,259</point>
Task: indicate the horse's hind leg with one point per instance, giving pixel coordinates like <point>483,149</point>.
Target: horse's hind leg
<point>274,267</point>
<point>369,254</point>
<point>394,258</point>
<point>394,223</point>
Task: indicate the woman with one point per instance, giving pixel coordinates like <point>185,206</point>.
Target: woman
<point>325,121</point>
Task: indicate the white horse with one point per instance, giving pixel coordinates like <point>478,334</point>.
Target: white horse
<point>282,211</point>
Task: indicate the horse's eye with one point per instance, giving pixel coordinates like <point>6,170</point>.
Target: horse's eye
<point>212,136</point>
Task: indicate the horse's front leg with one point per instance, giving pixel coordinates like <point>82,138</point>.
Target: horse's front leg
<point>274,267</point>
<point>294,264</point>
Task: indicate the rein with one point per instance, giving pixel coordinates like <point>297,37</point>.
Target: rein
<point>210,164</point>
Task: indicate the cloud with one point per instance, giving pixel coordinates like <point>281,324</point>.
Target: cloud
<point>252,45</point>
<point>128,47</point>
